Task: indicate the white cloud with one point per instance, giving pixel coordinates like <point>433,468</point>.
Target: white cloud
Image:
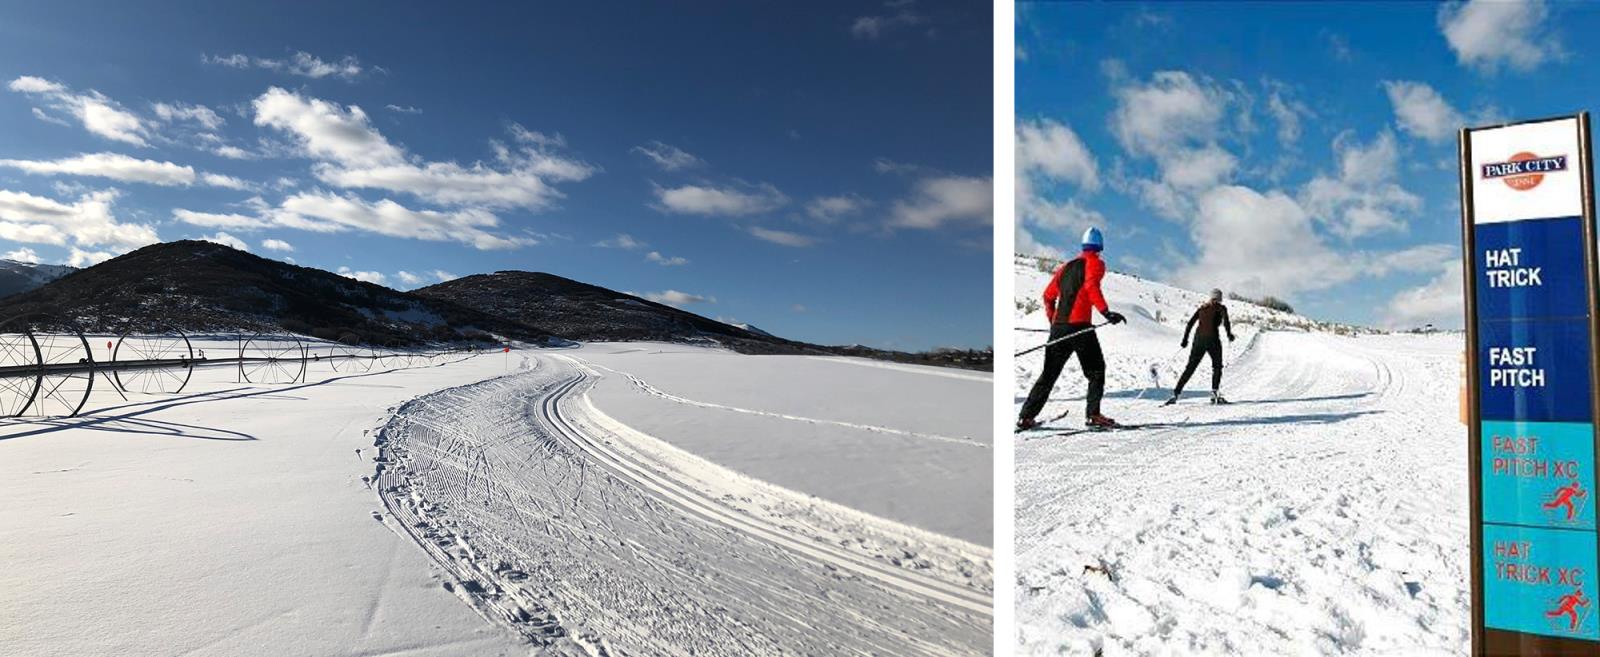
<point>668,157</point>
<point>276,245</point>
<point>23,254</point>
<point>782,237</point>
<point>1051,150</point>
<point>91,109</point>
<point>1363,200</point>
<point>443,275</point>
<point>676,298</point>
<point>410,279</point>
<point>1422,112</point>
<point>233,152</point>
<point>874,26</point>
<point>200,115</point>
<point>300,63</point>
<point>1286,111</point>
<point>403,109</point>
<point>1485,34</point>
<point>723,201</point>
<point>1437,302</point>
<point>227,240</point>
<point>31,219</point>
<point>656,257</point>
<point>1172,112</point>
<point>621,241</point>
<point>83,258</point>
<point>354,154</point>
<point>1259,244</point>
<point>946,200</point>
<point>114,166</point>
<point>367,276</point>
<point>326,212</point>
<point>828,209</point>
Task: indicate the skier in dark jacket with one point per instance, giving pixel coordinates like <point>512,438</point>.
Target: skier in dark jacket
<point>1069,301</point>
<point>1207,342</point>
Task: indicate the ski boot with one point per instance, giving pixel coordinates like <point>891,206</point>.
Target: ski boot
<point>1217,398</point>
<point>1024,424</point>
<point>1170,401</point>
<point>1098,421</point>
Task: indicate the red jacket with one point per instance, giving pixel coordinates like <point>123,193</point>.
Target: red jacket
<point>1087,297</point>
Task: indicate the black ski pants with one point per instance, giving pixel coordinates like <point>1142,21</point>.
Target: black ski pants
<point>1087,346</point>
<point>1203,347</point>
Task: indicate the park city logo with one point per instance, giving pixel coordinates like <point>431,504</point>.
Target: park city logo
<point>1524,171</point>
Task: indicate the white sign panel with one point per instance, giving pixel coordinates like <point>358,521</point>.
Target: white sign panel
<point>1526,171</point>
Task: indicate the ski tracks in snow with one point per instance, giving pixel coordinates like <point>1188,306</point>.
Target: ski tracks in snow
<point>1323,513</point>
<point>587,538</point>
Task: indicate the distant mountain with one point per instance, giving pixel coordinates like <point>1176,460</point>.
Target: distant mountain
<point>16,277</point>
<point>202,286</point>
<point>584,312</point>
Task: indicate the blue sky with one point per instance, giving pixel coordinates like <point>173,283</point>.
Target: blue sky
<point>1303,150</point>
<point>820,170</point>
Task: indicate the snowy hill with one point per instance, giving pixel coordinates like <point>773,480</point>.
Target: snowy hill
<point>1157,314</point>
<point>17,277</point>
<point>1289,522</point>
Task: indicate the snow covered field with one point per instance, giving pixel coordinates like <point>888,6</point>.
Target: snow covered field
<point>516,508</point>
<point>1325,512</point>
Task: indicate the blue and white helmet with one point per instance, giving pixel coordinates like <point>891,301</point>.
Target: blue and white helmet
<point>1092,241</point>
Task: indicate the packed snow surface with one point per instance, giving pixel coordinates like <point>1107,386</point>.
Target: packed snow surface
<point>499,505</point>
<point>1323,513</point>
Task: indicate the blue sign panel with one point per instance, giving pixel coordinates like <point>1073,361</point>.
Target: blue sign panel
<point>1534,371</point>
<point>1538,581</point>
<point>1538,473</point>
<point>1530,269</point>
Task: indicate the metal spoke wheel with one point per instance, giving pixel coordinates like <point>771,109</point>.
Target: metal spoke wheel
<point>272,359</point>
<point>67,372</point>
<point>170,348</point>
<point>19,367</point>
<point>350,358</point>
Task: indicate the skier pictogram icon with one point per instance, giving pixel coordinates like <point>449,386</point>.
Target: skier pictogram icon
<point>1567,605</point>
<point>1564,498</point>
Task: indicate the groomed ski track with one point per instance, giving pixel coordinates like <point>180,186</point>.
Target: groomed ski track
<point>587,537</point>
<point>1323,513</point>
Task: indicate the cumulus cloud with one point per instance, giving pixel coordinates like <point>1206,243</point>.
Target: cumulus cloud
<point>673,261</point>
<point>1437,302</point>
<point>1363,199</point>
<point>828,209</point>
<point>227,240</point>
<point>1421,112</point>
<point>443,275</point>
<point>782,237</point>
<point>945,201</point>
<point>1050,149</point>
<point>668,157</point>
<point>676,298</point>
<point>301,63</point>
<point>91,109</point>
<point>1286,111</point>
<point>367,276</point>
<point>88,222</point>
<point>354,154</point>
<point>1486,34</point>
<point>729,201</point>
<point>326,212</point>
<point>86,258</point>
<point>23,254</point>
<point>199,115</point>
<point>898,15</point>
<point>621,241</point>
<point>277,245</point>
<point>410,279</point>
<point>1259,243</point>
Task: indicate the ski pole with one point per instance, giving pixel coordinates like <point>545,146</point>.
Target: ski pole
<point>1073,334</point>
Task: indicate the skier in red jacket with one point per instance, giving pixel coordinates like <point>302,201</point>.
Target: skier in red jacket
<point>1069,302</point>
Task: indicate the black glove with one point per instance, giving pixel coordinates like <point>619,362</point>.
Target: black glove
<point>1114,317</point>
